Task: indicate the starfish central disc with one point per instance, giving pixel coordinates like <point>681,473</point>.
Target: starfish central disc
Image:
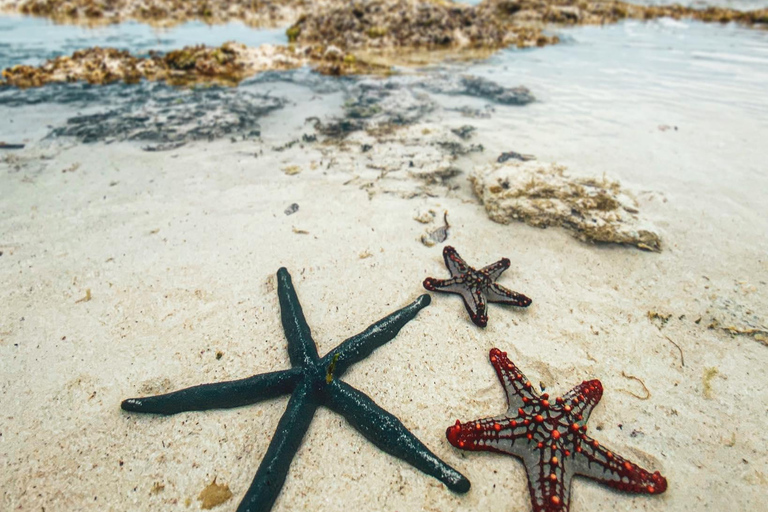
<point>476,287</point>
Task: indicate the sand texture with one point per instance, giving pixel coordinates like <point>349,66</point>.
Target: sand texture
<point>141,228</point>
<point>152,273</point>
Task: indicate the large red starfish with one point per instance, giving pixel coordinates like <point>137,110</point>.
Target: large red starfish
<point>550,437</point>
<point>476,287</point>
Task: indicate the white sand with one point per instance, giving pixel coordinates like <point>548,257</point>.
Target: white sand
<point>179,250</point>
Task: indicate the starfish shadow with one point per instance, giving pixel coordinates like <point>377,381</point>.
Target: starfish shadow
<point>312,381</point>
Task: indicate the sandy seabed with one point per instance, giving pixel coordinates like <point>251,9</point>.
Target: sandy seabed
<point>179,250</point>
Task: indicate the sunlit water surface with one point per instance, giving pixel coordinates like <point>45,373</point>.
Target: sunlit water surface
<point>27,40</point>
<point>604,93</point>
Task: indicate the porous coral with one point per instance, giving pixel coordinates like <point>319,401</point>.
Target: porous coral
<point>542,195</point>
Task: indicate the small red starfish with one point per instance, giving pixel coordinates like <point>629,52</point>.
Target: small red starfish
<point>550,437</point>
<point>476,287</point>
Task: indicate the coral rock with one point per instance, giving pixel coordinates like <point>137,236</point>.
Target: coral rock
<point>541,195</point>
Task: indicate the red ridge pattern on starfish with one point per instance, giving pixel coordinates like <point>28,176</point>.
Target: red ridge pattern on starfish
<point>476,287</point>
<point>550,437</point>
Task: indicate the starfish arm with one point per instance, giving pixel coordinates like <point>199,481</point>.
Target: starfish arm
<point>451,285</point>
<point>301,346</point>
<point>455,263</point>
<point>273,469</point>
<point>362,345</point>
<point>583,398</point>
<point>516,386</point>
<point>501,295</point>
<point>500,434</point>
<point>474,301</point>
<point>221,395</point>
<point>549,483</point>
<point>600,464</point>
<point>387,432</point>
<point>494,270</point>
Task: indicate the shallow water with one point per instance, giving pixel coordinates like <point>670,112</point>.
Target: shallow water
<point>596,78</point>
<point>28,40</point>
<point>675,110</point>
<point>598,85</point>
<point>674,64</point>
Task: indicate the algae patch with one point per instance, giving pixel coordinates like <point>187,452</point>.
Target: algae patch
<point>706,380</point>
<point>213,495</point>
<point>543,195</point>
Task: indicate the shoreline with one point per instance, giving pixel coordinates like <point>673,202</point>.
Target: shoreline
<point>370,39</point>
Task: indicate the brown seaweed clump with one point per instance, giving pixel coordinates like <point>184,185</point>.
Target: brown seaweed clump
<point>493,24</point>
<point>227,64</point>
<point>389,24</point>
<point>163,12</point>
<point>545,195</point>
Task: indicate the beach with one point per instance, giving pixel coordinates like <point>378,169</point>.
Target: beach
<point>136,266</point>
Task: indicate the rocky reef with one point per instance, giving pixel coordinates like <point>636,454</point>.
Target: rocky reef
<point>163,12</point>
<point>387,24</point>
<point>227,64</point>
<point>334,36</point>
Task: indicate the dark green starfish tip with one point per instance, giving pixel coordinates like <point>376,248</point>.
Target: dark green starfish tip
<point>312,381</point>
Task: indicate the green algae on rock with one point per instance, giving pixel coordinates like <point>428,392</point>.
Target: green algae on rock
<point>542,195</point>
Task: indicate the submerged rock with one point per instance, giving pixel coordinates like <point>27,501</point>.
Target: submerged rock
<point>163,115</point>
<point>409,162</point>
<point>382,105</point>
<point>376,105</point>
<point>478,87</point>
<point>542,195</point>
<point>738,319</point>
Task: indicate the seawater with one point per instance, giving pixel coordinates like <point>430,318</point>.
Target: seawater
<point>601,91</point>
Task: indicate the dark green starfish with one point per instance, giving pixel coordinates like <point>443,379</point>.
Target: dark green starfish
<point>312,381</point>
